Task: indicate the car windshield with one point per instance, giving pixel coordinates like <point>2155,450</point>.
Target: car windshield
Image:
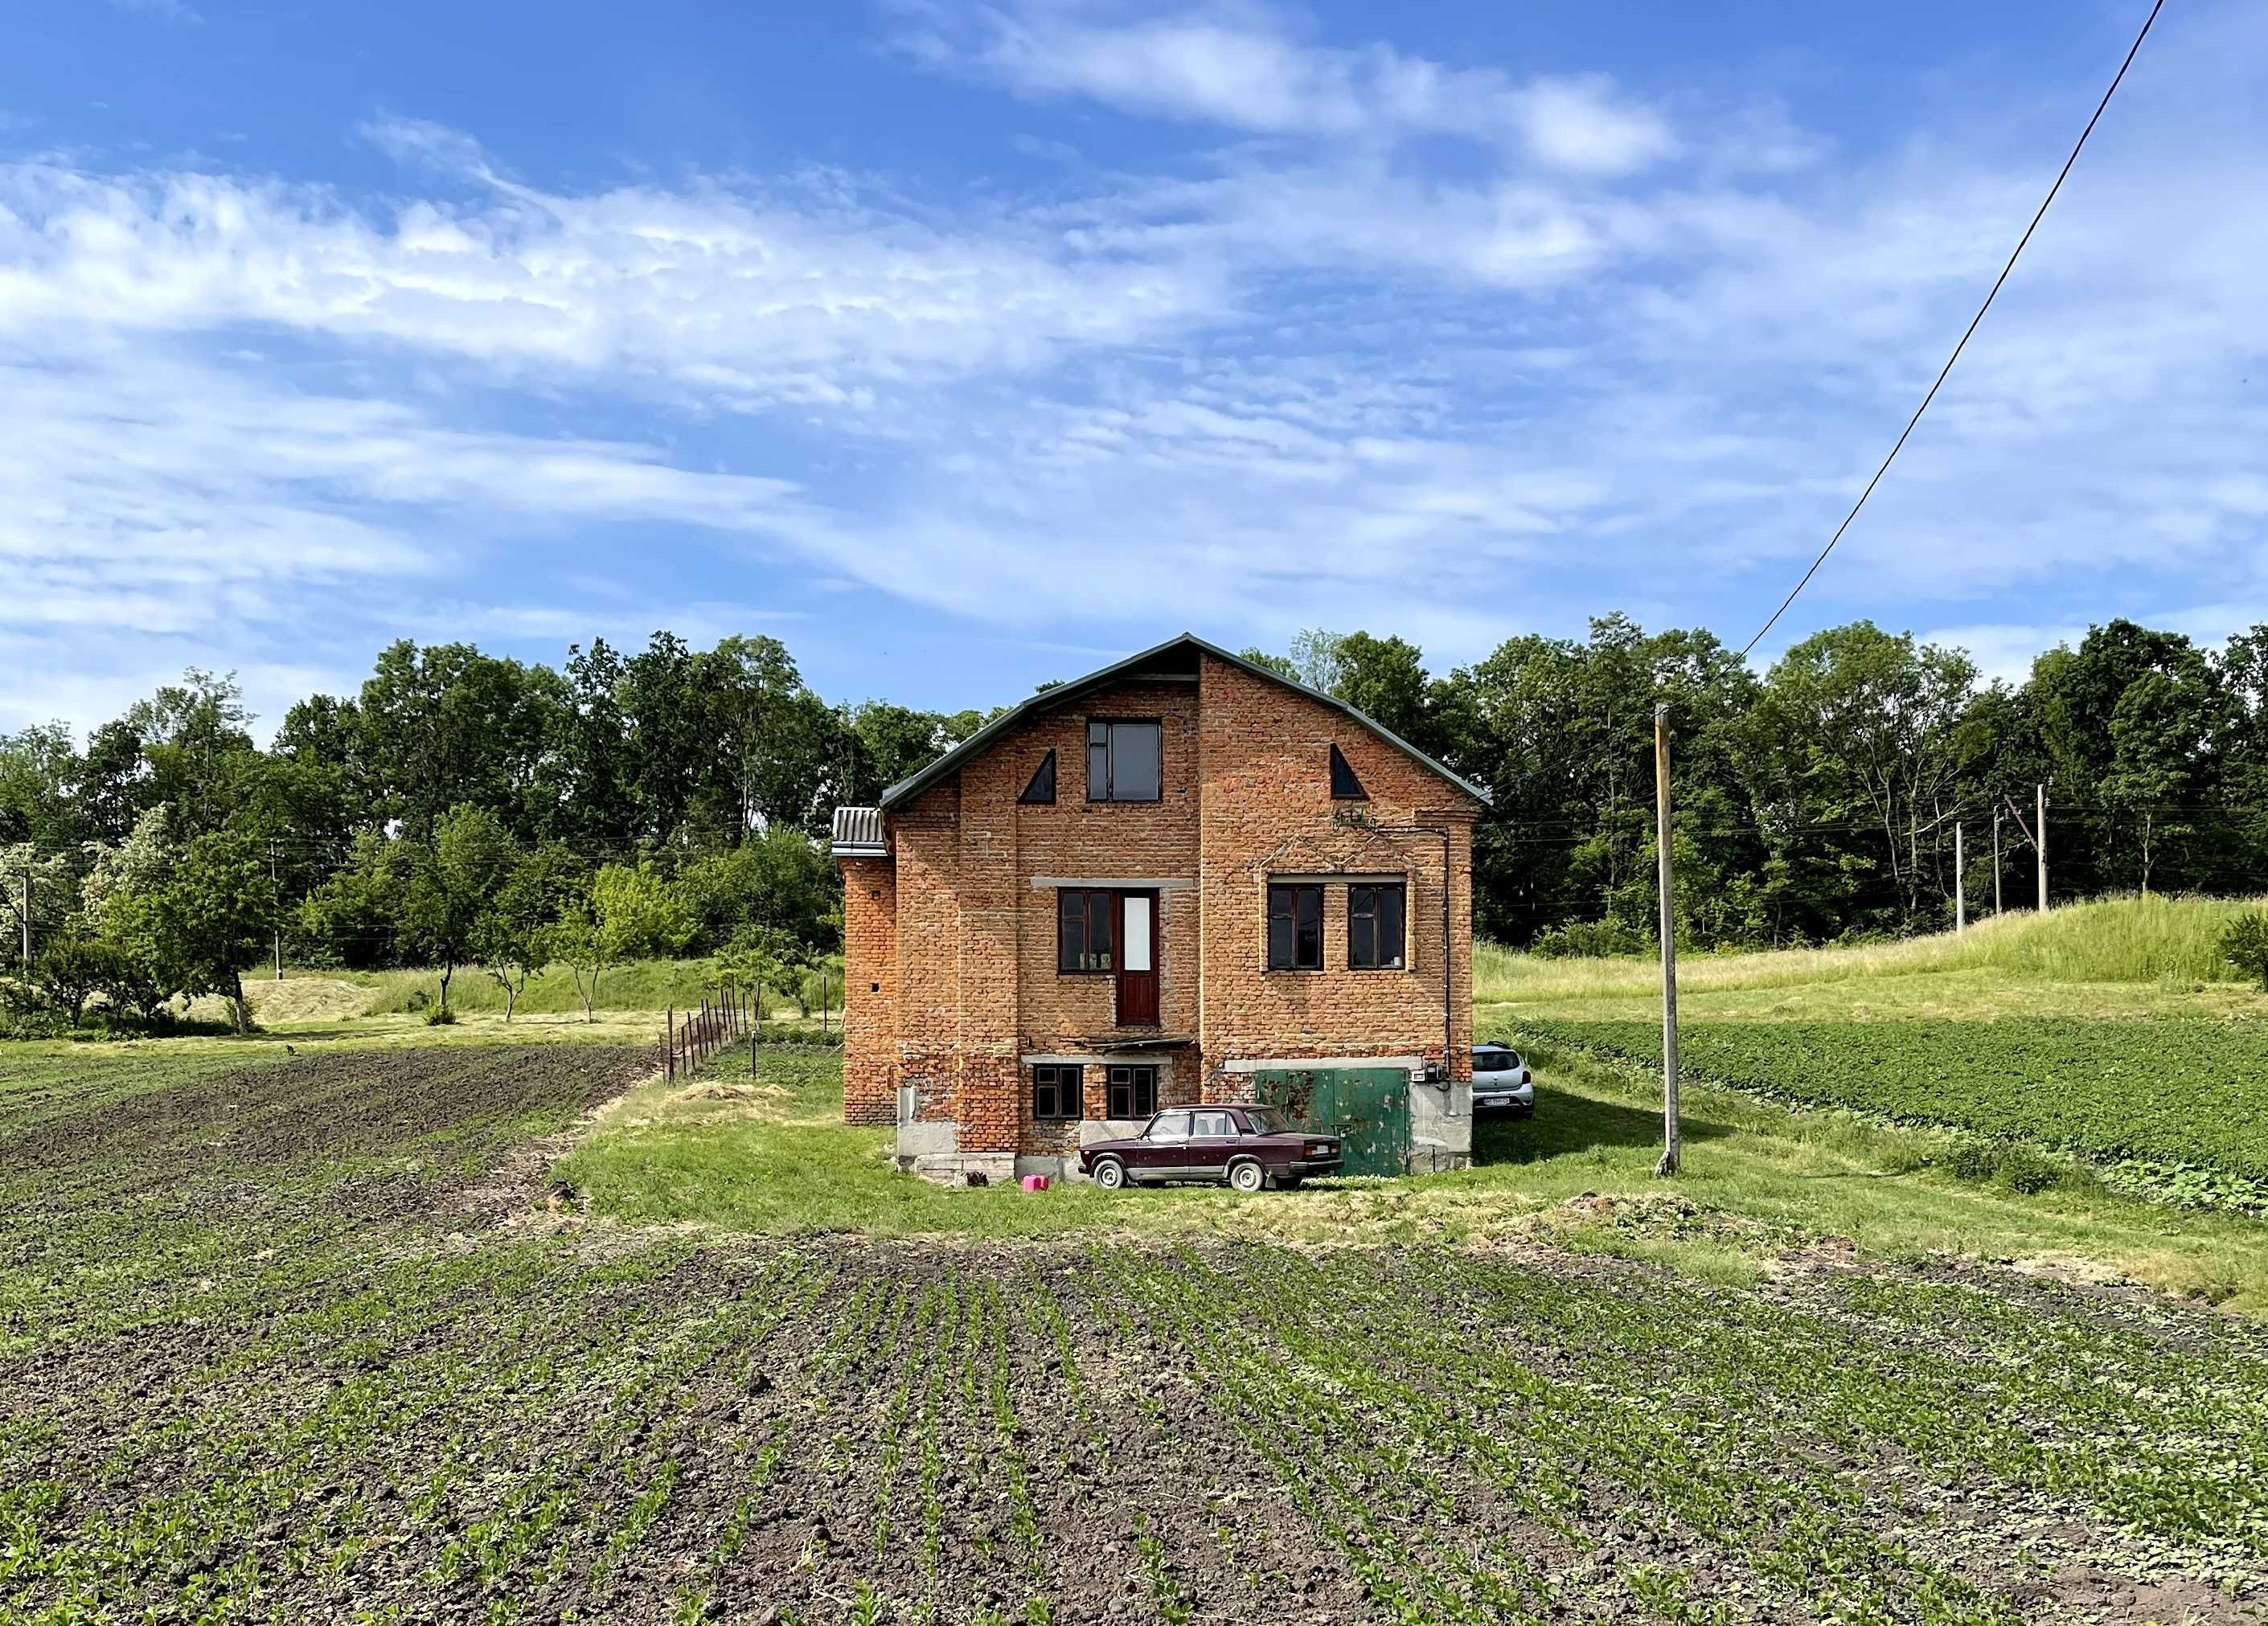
<point>1268,1121</point>
<point>1495,1060</point>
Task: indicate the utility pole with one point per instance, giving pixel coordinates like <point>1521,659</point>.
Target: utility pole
<point>2039,844</point>
<point>1996,863</point>
<point>27,916</point>
<point>1959,887</point>
<point>1670,1149</point>
<point>279,912</point>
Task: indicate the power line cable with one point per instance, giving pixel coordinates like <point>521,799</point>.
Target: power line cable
<point>1973,322</point>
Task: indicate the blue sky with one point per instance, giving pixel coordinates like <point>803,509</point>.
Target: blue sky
<point>963,346</point>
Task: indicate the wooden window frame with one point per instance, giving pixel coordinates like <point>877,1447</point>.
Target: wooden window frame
<point>1140,1084</point>
<point>1367,932</point>
<point>1077,955</point>
<point>1293,890</point>
<point>1058,1078</point>
<point>1106,792</point>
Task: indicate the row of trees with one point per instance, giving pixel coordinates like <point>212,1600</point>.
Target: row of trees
<point>155,918</point>
<point>462,809</point>
<point>1817,799</point>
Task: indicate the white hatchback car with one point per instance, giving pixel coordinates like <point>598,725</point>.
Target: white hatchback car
<point>1501,1082</point>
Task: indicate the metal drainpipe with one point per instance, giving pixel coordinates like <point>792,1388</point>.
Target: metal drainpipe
<point>1449,989</point>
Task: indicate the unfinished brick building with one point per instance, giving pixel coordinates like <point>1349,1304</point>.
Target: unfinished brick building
<point>1181,878</point>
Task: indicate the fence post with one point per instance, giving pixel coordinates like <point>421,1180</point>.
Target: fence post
<point>669,1044</point>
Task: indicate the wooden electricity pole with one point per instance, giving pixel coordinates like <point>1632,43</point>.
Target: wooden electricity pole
<point>2039,844</point>
<point>1960,886</point>
<point>1669,1143</point>
<point>279,913</point>
<point>27,917</point>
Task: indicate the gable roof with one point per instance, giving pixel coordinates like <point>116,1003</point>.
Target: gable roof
<point>1188,643</point>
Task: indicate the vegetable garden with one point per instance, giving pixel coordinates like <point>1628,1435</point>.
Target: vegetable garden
<point>322,1339</point>
<point>2180,1091</point>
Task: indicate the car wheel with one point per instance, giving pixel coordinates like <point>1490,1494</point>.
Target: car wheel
<point>1110,1174</point>
<point>1246,1175</point>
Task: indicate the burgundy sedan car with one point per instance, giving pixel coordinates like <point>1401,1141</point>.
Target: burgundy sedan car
<point>1242,1147</point>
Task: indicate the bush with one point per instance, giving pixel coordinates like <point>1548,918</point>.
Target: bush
<point>440,1016</point>
<point>2245,944</point>
<point>1590,939</point>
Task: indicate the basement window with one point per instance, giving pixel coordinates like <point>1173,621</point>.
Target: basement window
<point>1042,787</point>
<point>1295,928</point>
<point>1056,1092</point>
<point>1374,922</point>
<point>1133,1091</point>
<point>1125,761</point>
<point>1344,786</point>
<point>1083,922</point>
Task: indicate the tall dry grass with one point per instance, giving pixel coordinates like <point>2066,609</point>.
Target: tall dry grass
<point>2126,939</point>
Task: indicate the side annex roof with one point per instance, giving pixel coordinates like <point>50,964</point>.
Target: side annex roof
<point>1046,699</point>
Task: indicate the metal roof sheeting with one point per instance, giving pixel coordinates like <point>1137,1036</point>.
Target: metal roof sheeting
<point>858,834</point>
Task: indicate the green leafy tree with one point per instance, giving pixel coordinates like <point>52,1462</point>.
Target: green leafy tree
<point>65,974</point>
<point>451,887</point>
<point>355,917</point>
<point>514,938</point>
<point>2245,944</point>
<point>207,922</point>
<point>627,913</point>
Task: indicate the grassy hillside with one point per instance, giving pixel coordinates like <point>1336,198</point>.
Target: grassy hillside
<point>2168,943</point>
<point>637,985</point>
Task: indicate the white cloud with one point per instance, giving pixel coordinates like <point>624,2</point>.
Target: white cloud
<point>1236,65</point>
<point>1297,382</point>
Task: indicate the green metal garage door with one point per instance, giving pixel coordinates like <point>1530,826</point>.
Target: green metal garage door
<point>1366,1108</point>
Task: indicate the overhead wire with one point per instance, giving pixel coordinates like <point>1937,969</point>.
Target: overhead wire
<point>1903,435</point>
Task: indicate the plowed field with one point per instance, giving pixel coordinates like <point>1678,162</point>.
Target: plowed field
<point>309,1341</point>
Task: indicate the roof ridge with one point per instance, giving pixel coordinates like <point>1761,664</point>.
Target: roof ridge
<point>914,784</point>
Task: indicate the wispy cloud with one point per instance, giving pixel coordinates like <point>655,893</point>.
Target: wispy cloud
<point>1622,358</point>
<point>159,11</point>
<point>1238,66</point>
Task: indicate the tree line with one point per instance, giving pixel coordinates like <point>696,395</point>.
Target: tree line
<point>467,810</point>
<point>461,809</point>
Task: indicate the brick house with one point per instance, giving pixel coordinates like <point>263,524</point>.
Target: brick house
<point>1181,877</point>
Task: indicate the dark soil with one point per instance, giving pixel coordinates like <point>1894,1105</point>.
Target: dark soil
<point>266,1354</point>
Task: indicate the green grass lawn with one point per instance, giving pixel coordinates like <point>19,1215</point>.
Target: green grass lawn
<point>771,1155</point>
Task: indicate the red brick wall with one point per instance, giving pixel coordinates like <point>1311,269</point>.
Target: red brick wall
<point>1267,810</point>
<point>870,980</point>
<point>1246,794</point>
<point>925,844</point>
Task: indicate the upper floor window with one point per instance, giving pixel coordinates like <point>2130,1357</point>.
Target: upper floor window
<point>1295,927</point>
<point>1043,785</point>
<point>1375,921</point>
<point>1345,787</point>
<point>1125,761</point>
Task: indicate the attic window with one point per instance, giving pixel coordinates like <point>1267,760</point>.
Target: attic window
<point>1042,787</point>
<point>1344,786</point>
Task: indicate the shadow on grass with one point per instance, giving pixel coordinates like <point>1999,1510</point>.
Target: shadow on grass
<point>1566,1124</point>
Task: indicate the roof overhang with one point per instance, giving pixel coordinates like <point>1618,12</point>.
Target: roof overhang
<point>1158,660</point>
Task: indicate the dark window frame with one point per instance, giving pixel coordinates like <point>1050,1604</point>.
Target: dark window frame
<point>1035,793</point>
<point>1076,934</point>
<point>1295,955</point>
<point>1057,1077</point>
<point>1106,790</point>
<point>1366,928</point>
<point>1346,786</point>
<point>1139,1082</point>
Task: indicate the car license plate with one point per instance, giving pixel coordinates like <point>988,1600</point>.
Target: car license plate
<point>1496,1101</point>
